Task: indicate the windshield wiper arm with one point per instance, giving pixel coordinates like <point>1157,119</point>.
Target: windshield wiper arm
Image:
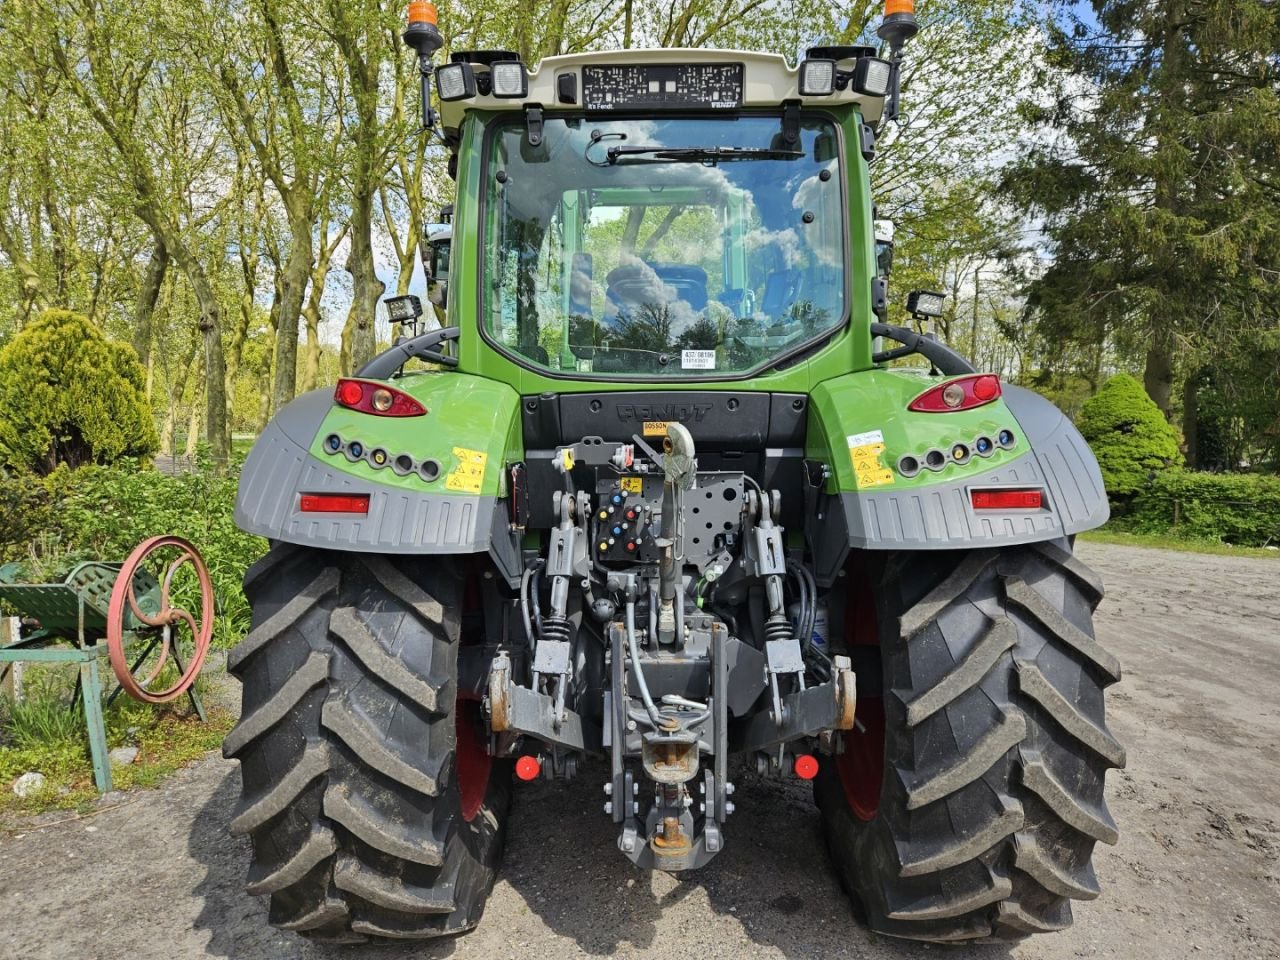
<point>709,155</point>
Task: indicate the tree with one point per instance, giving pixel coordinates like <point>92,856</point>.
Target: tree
<point>107,59</point>
<point>1128,435</point>
<point>69,395</point>
<point>1157,178</point>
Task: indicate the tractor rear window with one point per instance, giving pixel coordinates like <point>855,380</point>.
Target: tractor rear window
<point>680,247</point>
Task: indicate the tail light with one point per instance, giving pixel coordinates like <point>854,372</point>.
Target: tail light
<point>334,503</point>
<point>1007,499</point>
<point>376,398</point>
<point>963,394</point>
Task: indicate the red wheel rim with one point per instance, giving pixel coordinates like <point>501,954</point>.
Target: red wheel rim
<point>472,760</point>
<point>861,766</point>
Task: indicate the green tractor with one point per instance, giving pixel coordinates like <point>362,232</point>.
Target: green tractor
<point>656,508</point>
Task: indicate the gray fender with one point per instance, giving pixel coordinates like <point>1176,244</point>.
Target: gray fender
<point>941,516</point>
<point>280,467</point>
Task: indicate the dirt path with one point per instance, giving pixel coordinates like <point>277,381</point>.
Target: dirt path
<point>1196,873</point>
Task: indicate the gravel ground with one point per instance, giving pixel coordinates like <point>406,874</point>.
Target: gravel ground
<point>1196,873</point>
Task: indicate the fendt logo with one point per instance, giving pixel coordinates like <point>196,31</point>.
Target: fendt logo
<point>679,412</point>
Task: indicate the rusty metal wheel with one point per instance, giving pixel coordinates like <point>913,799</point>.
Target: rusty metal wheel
<point>170,573</point>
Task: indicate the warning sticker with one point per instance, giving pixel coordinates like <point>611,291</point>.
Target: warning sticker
<point>656,428</point>
<point>633,484</point>
<point>865,439</point>
<point>698,359</point>
<point>468,475</point>
<point>865,450</point>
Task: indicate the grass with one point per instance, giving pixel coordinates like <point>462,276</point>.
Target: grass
<point>1166,541</point>
<point>43,735</point>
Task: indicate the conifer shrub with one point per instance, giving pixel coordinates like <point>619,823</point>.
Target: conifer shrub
<point>1129,436</point>
<point>68,395</point>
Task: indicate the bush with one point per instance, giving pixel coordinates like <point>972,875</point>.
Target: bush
<point>1241,509</point>
<point>104,512</point>
<point>1129,435</point>
<point>70,396</point>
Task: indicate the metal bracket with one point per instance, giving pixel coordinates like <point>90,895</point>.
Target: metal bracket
<point>806,713</point>
<point>782,656</point>
<point>533,125</point>
<point>517,709</point>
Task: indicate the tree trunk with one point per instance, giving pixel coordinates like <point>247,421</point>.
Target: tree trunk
<point>1158,375</point>
<point>1191,418</point>
<point>215,364</point>
<point>358,340</point>
<point>145,308</point>
<point>297,270</point>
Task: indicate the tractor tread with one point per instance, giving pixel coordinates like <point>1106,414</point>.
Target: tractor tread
<point>372,749</point>
<point>392,893</point>
<point>1000,636</point>
<point>1013,915</point>
<point>427,609</point>
<point>1093,822</point>
<point>966,768</point>
<point>1020,593</point>
<point>325,583</point>
<point>347,748</point>
<point>319,845</point>
<point>327,912</point>
<point>342,805</point>
<point>1070,564</point>
<point>958,903</point>
<point>1034,684</point>
<point>946,593</point>
<point>285,791</point>
<point>996,749</point>
<point>314,671</point>
<point>405,932</point>
<point>963,849</point>
<point>1057,878</point>
<point>361,641</point>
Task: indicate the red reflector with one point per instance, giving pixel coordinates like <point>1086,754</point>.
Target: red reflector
<point>528,768</point>
<point>335,503</point>
<point>376,398</point>
<point>806,766</point>
<point>1007,499</point>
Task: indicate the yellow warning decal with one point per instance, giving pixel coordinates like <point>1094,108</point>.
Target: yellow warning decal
<point>865,450</point>
<point>656,428</point>
<point>633,484</point>
<point>468,475</point>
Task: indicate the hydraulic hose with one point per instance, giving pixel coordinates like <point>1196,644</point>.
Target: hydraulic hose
<point>634,649</point>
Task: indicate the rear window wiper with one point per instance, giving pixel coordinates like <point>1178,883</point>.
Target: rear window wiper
<point>708,155</point>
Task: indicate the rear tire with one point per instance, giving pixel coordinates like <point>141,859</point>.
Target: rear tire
<point>995,749</point>
<point>373,809</point>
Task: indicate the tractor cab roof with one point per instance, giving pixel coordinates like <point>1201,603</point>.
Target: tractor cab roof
<point>656,81</point>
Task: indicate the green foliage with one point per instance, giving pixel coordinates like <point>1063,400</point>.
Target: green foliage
<point>44,734</point>
<point>1129,435</point>
<point>1241,509</point>
<point>104,512</point>
<point>70,396</point>
<point>1157,188</point>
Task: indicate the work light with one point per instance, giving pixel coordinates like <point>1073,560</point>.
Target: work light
<point>817,78</point>
<point>404,309</point>
<point>922,303</point>
<point>455,81</point>
<point>873,77</point>
<point>509,79</point>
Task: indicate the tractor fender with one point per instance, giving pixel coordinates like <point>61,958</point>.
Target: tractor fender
<point>284,464</point>
<point>941,516</point>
